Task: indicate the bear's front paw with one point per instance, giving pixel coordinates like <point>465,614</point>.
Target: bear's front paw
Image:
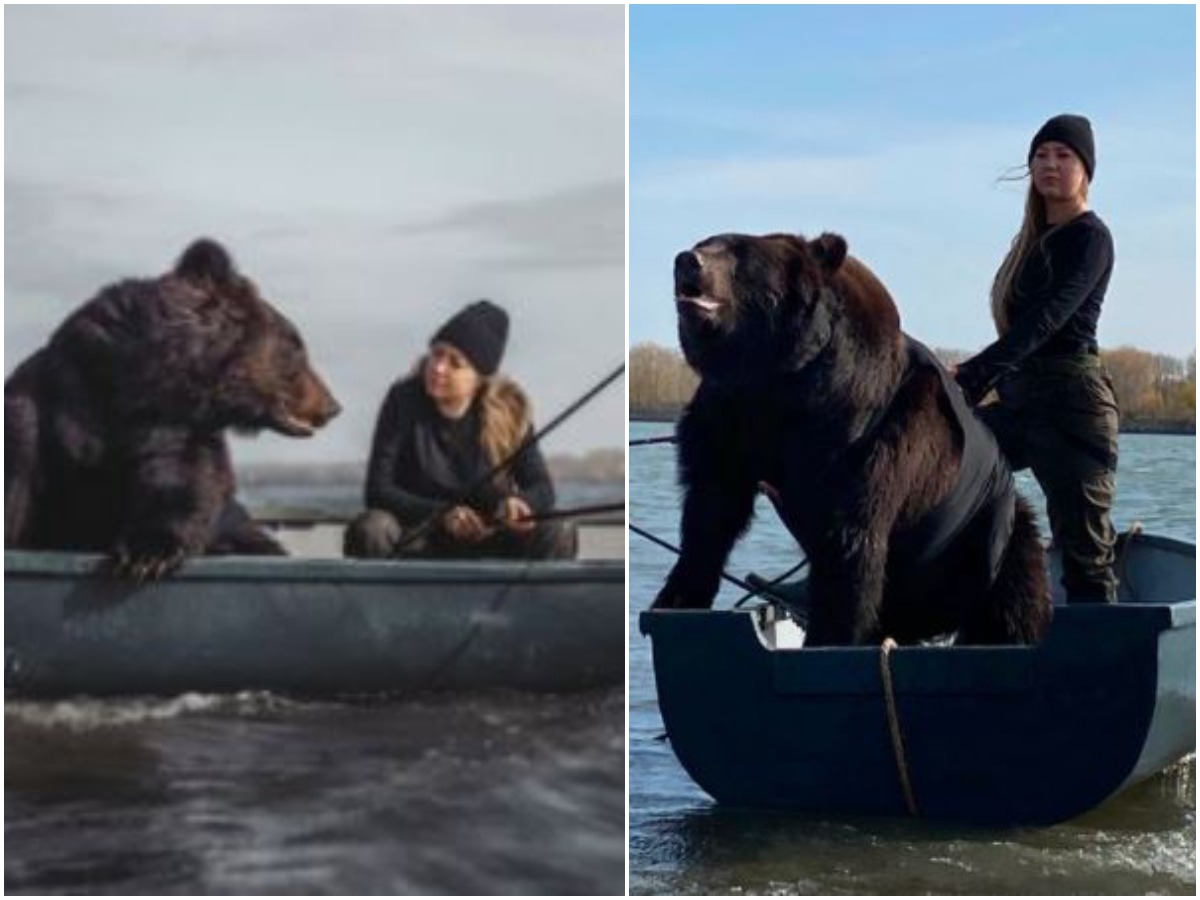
<point>685,588</point>
<point>146,558</point>
<point>668,600</point>
<point>674,598</point>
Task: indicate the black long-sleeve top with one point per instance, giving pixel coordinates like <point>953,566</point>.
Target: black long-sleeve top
<point>1055,306</point>
<point>421,462</point>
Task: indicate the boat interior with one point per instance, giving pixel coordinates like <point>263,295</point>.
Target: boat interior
<point>1150,569</point>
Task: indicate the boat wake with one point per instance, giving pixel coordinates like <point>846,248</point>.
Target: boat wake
<point>82,714</point>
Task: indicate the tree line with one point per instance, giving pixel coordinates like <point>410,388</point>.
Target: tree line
<point>1153,389</point>
<point>660,382</point>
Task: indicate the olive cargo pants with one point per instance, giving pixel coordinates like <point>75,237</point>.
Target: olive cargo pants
<point>1059,418</point>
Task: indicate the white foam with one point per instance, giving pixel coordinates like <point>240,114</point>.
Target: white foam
<point>87,714</point>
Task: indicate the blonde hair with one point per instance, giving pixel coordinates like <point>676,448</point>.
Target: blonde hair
<point>1029,237</point>
<point>504,416</point>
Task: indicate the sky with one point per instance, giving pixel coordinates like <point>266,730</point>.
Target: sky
<point>894,127</point>
<point>373,169</point>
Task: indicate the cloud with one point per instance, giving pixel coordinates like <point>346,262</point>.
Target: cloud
<point>54,257</point>
<point>1002,48</point>
<point>756,178</point>
<point>929,216</point>
<point>372,168</point>
<point>409,46</point>
<point>577,227</point>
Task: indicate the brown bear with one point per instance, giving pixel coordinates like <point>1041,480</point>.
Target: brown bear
<point>115,430</point>
<point>896,492</point>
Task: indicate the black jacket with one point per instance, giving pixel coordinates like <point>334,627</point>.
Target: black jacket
<point>1056,304</point>
<point>422,462</point>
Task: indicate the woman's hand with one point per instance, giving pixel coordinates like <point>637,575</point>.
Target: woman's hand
<point>964,375</point>
<point>514,513</point>
<point>464,524</point>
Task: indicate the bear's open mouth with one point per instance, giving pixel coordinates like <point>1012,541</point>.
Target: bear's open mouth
<point>708,304</point>
<point>292,426</point>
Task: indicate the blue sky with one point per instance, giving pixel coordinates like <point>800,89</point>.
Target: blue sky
<point>372,168</point>
<point>891,125</point>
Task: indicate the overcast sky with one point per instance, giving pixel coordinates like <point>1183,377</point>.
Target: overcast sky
<point>892,125</point>
<point>372,168</point>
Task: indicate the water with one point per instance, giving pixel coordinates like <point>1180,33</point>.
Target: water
<point>1142,842</point>
<point>258,794</point>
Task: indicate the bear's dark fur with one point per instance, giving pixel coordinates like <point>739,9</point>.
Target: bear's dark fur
<point>115,430</point>
<point>809,386</point>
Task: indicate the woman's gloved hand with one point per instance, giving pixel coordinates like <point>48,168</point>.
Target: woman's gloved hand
<point>973,388</point>
<point>513,513</point>
<point>464,524</point>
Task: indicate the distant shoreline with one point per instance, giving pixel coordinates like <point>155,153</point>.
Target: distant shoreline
<point>654,415</point>
<point>1151,426</point>
<point>597,467</point>
<point>1135,426</point>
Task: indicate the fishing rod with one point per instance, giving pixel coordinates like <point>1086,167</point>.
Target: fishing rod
<point>531,439</point>
<point>751,590</point>
<point>574,512</point>
<point>732,579</point>
<point>765,587</point>
<point>666,439</point>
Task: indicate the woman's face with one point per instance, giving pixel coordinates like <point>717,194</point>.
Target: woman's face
<point>449,376</point>
<point>1058,173</point>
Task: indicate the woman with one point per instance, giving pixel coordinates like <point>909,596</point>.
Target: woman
<point>440,432</point>
<point>1057,412</point>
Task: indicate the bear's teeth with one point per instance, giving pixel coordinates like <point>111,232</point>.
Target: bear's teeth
<point>705,303</point>
<point>298,427</point>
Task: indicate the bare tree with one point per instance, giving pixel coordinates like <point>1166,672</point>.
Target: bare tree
<point>1148,385</point>
<point>660,382</point>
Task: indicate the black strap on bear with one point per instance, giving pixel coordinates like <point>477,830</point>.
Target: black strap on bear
<point>984,478</point>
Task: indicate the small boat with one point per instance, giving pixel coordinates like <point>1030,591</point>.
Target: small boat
<point>989,735</point>
<point>312,627</point>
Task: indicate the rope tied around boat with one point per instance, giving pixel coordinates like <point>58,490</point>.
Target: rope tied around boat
<point>1121,564</point>
<point>885,670</point>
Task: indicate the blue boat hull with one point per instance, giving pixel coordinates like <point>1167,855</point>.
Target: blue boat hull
<point>312,627</point>
<point>997,735</point>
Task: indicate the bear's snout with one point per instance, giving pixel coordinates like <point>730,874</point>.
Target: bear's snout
<point>331,409</point>
<point>317,403</point>
<point>688,275</point>
<point>309,406</point>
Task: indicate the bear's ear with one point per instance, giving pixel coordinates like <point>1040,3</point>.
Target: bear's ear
<point>830,251</point>
<point>206,260</point>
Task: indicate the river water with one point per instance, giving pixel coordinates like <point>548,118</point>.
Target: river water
<point>1141,842</point>
<point>258,794</point>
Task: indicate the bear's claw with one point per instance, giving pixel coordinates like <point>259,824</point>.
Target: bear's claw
<point>144,568</point>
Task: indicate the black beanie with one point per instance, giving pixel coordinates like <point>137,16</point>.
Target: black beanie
<point>1075,132</point>
<point>480,331</point>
